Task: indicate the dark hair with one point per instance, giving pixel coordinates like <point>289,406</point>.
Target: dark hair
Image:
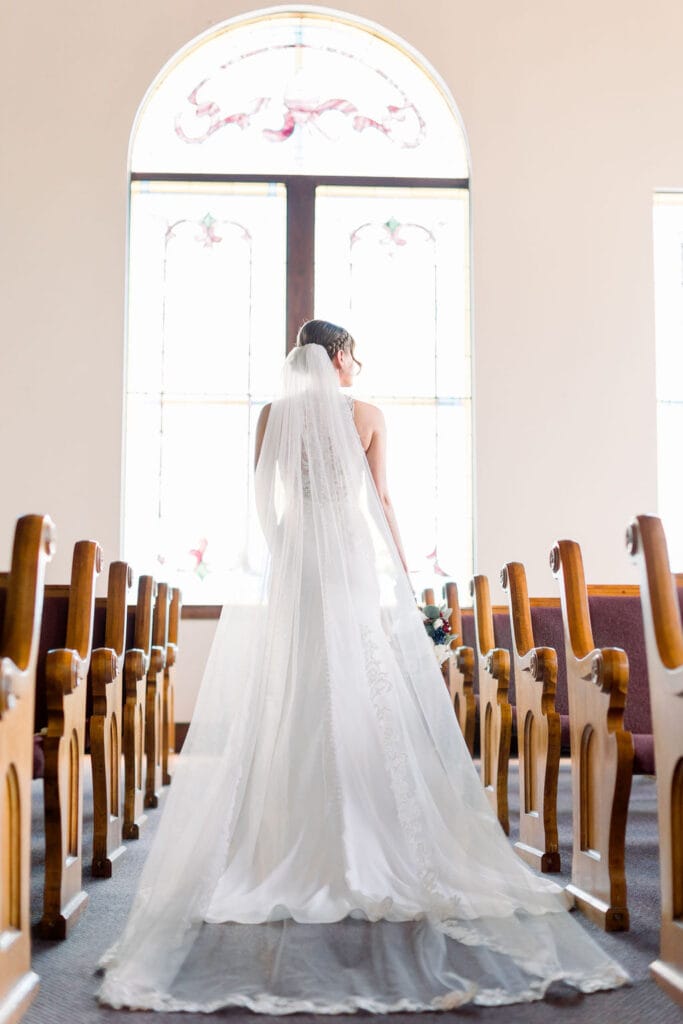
<point>332,338</point>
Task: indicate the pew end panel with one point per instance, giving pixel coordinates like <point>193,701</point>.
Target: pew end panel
<point>602,751</point>
<point>461,689</point>
<point>66,671</point>
<point>459,670</point>
<point>646,544</point>
<point>106,678</point>
<point>168,702</point>
<point>538,729</point>
<point>20,616</point>
<point>154,697</point>
<point>136,664</point>
<point>495,713</point>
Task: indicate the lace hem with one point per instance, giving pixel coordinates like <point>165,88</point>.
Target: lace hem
<point>134,998</point>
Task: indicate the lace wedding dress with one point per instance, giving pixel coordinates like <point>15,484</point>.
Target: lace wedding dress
<point>326,845</point>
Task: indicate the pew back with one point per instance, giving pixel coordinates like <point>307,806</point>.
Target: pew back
<point>646,543</point>
<point>21,598</point>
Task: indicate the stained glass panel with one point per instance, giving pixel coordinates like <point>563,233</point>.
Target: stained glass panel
<point>392,266</point>
<point>206,341</point>
<point>299,93</point>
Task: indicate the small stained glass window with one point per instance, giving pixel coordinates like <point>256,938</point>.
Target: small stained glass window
<point>299,93</point>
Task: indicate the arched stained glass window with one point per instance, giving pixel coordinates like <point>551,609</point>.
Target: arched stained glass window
<point>286,165</point>
<point>299,93</point>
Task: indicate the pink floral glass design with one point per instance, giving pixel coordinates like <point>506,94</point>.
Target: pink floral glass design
<point>400,122</point>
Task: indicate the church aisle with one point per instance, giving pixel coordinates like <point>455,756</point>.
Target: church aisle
<point>66,969</point>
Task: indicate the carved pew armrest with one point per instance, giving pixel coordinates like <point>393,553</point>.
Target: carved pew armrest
<point>540,663</point>
<point>135,667</point>
<point>11,684</point>
<point>171,654</point>
<point>104,668</point>
<point>157,659</point>
<point>464,661</point>
<point>105,662</point>
<point>497,663</point>
<point>610,673</point>
<point>65,670</point>
<point>607,667</point>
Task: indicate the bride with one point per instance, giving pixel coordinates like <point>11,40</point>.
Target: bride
<point>326,845</point>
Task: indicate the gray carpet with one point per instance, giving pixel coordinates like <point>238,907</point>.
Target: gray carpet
<point>66,969</point>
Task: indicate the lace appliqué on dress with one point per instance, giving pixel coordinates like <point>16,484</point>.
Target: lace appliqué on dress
<point>407,805</point>
<point>340,492</point>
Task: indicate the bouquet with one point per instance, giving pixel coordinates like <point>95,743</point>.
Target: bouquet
<point>438,628</point>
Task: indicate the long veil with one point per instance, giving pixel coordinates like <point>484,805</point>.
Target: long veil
<point>326,845</point>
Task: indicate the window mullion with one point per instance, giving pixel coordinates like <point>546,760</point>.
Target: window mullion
<point>300,254</point>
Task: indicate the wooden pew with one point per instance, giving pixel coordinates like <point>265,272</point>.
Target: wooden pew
<point>106,680</point>
<point>459,670</point>
<point>646,544</point>
<point>65,675</point>
<point>538,729</point>
<point>135,666</point>
<point>168,704</point>
<point>601,751</point>
<point>153,700</point>
<point>495,713</point>
<point>21,600</point>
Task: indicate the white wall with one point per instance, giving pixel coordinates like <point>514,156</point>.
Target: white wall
<point>573,116</point>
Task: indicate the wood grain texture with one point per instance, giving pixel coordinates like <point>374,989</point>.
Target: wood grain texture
<point>459,671</point>
<point>154,695</point>
<point>647,546</point>
<point>168,703</point>
<point>135,668</point>
<point>601,751</point>
<point>19,637</point>
<point>300,255</point>
<point>538,729</point>
<point>66,671</point>
<point>495,713</point>
<point>106,679</point>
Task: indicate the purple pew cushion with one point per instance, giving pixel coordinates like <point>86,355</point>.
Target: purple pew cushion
<point>548,629</point>
<point>644,753</point>
<point>618,622</point>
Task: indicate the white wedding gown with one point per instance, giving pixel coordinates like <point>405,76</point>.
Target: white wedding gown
<point>326,845</point>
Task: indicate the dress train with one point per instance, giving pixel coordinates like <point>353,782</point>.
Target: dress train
<point>327,845</point>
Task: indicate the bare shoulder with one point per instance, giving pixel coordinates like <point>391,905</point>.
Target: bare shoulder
<point>368,413</point>
<point>369,422</point>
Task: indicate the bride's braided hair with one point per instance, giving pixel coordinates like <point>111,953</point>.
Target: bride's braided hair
<point>333,338</point>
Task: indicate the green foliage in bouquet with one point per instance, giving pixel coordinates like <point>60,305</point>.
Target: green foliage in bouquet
<point>436,623</point>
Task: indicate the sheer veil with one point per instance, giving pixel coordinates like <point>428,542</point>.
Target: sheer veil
<point>326,845</point>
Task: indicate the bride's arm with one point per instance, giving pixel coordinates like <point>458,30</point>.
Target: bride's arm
<point>376,456</point>
<point>260,431</point>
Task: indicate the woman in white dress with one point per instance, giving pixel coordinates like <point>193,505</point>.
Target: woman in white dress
<point>326,845</point>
